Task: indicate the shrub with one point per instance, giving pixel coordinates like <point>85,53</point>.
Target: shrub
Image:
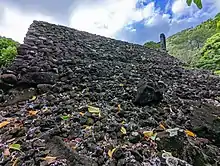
<point>8,51</point>
<point>210,54</point>
<point>152,44</point>
<point>217,72</point>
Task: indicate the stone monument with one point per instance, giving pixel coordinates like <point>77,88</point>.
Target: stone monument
<point>162,41</point>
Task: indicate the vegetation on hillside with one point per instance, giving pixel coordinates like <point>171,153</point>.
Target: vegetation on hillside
<point>198,47</point>
<point>186,45</point>
<point>8,50</point>
<point>210,54</point>
<point>152,44</point>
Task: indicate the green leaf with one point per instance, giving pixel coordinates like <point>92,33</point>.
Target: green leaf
<point>198,3</point>
<point>92,109</point>
<point>15,147</point>
<point>189,2</point>
<point>65,117</point>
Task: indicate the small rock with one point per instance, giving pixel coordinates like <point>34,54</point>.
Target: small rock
<point>90,121</point>
<point>135,137</point>
<point>9,78</point>
<point>118,154</point>
<point>137,155</point>
<point>42,88</point>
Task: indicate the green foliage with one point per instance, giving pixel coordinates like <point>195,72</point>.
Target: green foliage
<point>217,16</point>
<point>197,2</point>
<point>186,45</point>
<point>8,51</point>
<point>217,72</point>
<point>218,26</point>
<point>152,44</point>
<point>210,54</point>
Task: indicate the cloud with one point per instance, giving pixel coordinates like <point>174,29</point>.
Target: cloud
<point>135,21</point>
<point>14,23</point>
<point>108,17</point>
<point>179,7</point>
<point>184,16</point>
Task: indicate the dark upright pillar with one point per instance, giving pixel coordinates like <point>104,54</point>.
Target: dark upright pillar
<point>162,41</point>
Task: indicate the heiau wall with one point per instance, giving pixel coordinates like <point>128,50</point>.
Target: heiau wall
<point>134,87</point>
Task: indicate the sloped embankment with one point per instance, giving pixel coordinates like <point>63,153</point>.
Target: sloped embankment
<point>147,103</point>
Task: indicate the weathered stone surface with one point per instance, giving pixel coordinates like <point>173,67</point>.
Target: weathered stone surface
<point>148,95</point>
<point>9,78</point>
<point>162,41</point>
<point>38,78</point>
<point>4,86</point>
<point>66,70</point>
<point>42,88</point>
<point>58,148</point>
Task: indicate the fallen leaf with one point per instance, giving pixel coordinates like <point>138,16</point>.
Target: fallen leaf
<point>190,133</point>
<point>162,126</point>
<point>148,133</point>
<point>33,98</point>
<point>119,107</point>
<point>81,113</point>
<point>110,152</point>
<point>65,117</point>
<point>49,159</point>
<point>153,137</point>
<point>121,84</point>
<point>15,147</point>
<point>4,123</point>
<point>123,130</point>
<point>123,122</point>
<point>15,162</point>
<point>33,113</point>
<point>74,147</point>
<point>92,109</point>
<point>7,152</point>
<point>87,127</point>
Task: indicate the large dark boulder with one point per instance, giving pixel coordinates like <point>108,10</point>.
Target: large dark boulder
<point>148,94</point>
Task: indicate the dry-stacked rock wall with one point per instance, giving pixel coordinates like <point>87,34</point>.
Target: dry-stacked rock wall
<point>68,69</point>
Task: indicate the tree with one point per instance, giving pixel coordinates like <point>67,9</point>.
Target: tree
<point>197,2</point>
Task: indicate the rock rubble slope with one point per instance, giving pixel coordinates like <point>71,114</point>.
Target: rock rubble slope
<point>75,98</point>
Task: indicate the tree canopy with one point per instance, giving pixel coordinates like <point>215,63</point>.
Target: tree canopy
<point>197,2</point>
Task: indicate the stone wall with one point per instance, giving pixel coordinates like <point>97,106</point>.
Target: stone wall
<point>57,54</point>
<point>69,69</point>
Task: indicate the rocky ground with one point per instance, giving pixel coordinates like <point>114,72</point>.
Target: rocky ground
<point>74,98</point>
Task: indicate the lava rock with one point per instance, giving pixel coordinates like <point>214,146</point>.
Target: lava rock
<point>9,78</point>
<point>147,95</point>
<point>38,78</point>
<point>42,88</point>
